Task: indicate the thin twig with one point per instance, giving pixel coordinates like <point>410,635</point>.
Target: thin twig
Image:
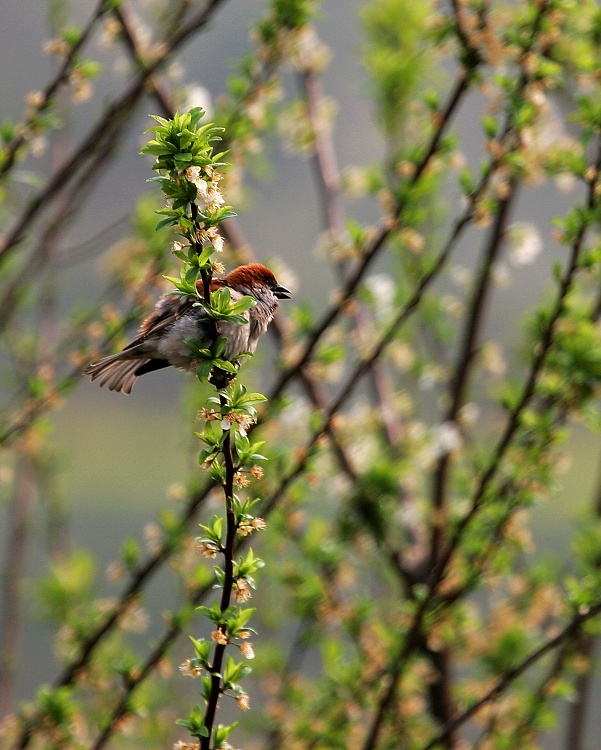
<point>52,87</point>
<point>117,115</point>
<point>569,631</point>
<point>377,243</point>
<point>465,359</point>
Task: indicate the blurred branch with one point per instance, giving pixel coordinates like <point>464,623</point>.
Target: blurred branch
<point>542,350</point>
<point>52,87</point>
<point>12,574</point>
<point>570,631</point>
<point>577,711</point>
<point>325,163</point>
<point>116,116</point>
<point>438,572</point>
<point>327,177</point>
<point>525,728</point>
<point>158,86</point>
<point>471,53</point>
<point>465,360</point>
<point>355,277</point>
<point>72,202</point>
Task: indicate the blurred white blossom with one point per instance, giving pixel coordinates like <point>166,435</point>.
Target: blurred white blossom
<point>198,96</point>
<point>447,438</point>
<point>382,290</point>
<point>525,242</point>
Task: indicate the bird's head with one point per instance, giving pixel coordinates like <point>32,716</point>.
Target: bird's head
<point>255,280</point>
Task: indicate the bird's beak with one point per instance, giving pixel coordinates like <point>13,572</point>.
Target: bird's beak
<point>281,292</point>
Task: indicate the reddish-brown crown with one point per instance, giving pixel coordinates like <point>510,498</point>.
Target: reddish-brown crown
<point>253,274</point>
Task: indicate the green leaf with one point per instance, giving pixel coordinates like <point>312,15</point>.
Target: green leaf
<point>223,364</point>
<point>204,370</point>
<point>243,305</point>
<point>202,649</point>
<point>222,733</point>
<point>169,222</point>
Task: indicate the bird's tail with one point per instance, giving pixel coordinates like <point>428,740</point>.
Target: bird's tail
<point>118,371</point>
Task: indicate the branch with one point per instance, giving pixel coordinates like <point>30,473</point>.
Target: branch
<point>465,360</point>
<point>117,115</point>
<point>536,368</point>
<point>327,177</point>
<point>576,723</point>
<point>571,630</point>
<point>378,242</point>
<point>61,76</point>
<point>59,223</point>
<point>10,626</point>
<point>226,593</point>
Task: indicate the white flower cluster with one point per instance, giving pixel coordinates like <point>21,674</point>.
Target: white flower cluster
<point>209,198</point>
<point>209,195</point>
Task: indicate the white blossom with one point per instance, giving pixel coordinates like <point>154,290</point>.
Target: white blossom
<point>525,241</point>
<point>382,289</point>
<point>447,438</point>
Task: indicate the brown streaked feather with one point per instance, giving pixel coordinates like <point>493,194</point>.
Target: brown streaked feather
<point>162,317</point>
<point>118,373</point>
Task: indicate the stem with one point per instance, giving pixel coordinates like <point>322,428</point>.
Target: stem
<point>226,594</point>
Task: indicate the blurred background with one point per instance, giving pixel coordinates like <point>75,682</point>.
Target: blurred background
<point>118,460</point>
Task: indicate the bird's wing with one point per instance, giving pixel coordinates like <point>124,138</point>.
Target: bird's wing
<point>168,309</point>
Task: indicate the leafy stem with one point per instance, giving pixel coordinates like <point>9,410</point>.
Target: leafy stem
<point>188,176</point>
<point>226,594</point>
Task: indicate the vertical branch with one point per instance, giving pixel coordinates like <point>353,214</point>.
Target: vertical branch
<point>577,712</point>
<point>329,185</point>
<point>465,360</point>
<point>12,573</point>
<point>439,690</point>
<point>226,593</point>
<point>325,162</point>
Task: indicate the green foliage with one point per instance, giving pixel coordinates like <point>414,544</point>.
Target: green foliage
<point>408,450</point>
<point>188,179</point>
<point>67,585</point>
<point>395,57</point>
<point>180,143</point>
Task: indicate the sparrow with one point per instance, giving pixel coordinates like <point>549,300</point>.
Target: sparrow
<point>162,336</point>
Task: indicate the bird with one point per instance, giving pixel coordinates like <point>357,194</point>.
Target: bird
<point>162,336</point>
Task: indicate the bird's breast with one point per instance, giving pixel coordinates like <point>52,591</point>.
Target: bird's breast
<point>238,339</point>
